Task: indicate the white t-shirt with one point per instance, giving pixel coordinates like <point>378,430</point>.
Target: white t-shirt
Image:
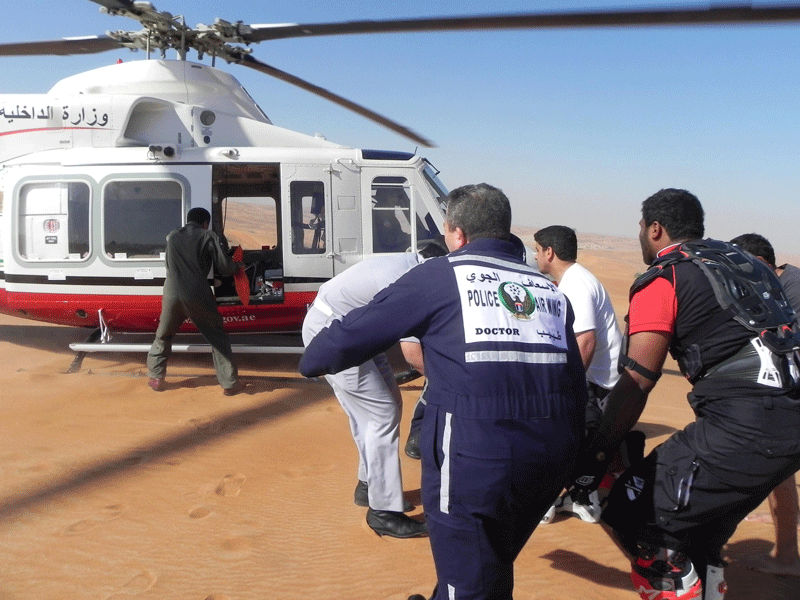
<point>593,310</point>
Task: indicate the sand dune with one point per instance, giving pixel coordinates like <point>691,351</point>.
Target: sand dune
<point>111,491</point>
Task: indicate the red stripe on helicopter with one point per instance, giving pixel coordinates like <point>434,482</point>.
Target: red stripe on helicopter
<point>52,129</point>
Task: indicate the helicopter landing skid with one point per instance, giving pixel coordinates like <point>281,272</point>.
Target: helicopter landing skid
<point>242,343</point>
<point>193,343</point>
<point>189,343</point>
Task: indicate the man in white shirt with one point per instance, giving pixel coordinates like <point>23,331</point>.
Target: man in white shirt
<point>596,330</point>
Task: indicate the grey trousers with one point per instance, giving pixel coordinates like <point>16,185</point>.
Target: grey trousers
<point>371,399</point>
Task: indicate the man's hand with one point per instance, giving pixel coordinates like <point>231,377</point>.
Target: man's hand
<point>412,352</point>
<point>589,471</point>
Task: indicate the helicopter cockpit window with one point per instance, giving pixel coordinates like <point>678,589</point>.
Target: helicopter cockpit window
<point>308,217</point>
<point>437,187</point>
<point>427,230</point>
<point>138,215</point>
<point>391,212</point>
<point>54,221</point>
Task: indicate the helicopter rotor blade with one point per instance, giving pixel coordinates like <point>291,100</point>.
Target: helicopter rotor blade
<point>713,15</point>
<point>64,47</point>
<point>162,31</point>
<point>248,61</point>
<point>115,4</point>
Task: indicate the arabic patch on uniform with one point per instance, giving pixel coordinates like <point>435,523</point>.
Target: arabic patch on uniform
<point>506,306</point>
<point>517,300</point>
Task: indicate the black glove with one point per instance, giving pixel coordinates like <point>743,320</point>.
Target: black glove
<point>588,473</point>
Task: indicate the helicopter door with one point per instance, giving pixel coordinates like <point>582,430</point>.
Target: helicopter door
<point>246,212</point>
<point>348,238</point>
<point>306,192</point>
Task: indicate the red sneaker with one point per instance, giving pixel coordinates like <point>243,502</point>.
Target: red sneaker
<point>156,384</point>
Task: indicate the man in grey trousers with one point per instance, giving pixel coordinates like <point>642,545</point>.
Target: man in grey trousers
<point>369,394</point>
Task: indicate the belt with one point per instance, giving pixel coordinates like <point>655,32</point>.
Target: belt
<point>323,308</point>
<point>764,367</point>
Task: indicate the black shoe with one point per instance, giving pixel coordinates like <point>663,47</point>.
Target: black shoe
<point>361,497</point>
<point>417,597</point>
<point>395,524</point>
<point>235,389</point>
<point>412,445</point>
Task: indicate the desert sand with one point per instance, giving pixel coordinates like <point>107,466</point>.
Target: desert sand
<point>109,490</point>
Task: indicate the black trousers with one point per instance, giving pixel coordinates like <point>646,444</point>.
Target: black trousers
<point>691,492</point>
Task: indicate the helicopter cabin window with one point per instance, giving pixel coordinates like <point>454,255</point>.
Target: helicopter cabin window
<point>138,215</point>
<point>251,222</point>
<point>391,211</point>
<point>54,221</point>
<point>308,217</point>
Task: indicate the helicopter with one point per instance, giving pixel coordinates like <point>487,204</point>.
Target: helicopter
<point>95,173</point>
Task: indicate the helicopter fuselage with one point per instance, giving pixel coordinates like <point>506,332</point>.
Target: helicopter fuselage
<point>96,173</point>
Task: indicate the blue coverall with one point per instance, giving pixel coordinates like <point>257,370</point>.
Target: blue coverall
<point>506,402</point>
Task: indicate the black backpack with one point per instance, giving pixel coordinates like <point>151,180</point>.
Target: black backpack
<point>747,290</point>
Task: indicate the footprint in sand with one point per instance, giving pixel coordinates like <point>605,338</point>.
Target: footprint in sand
<point>13,457</point>
<point>236,547</point>
<point>200,512</point>
<point>107,513</point>
<point>141,582</point>
<point>205,425</point>
<point>308,471</point>
<point>133,459</point>
<point>230,485</point>
<point>37,468</point>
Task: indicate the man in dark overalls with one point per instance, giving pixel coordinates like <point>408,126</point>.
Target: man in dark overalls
<point>506,393</point>
<point>191,252</point>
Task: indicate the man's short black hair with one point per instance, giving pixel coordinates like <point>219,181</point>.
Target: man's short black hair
<point>679,212</point>
<point>757,245</point>
<point>561,239</point>
<point>480,211</point>
<point>198,215</point>
<point>432,250</point>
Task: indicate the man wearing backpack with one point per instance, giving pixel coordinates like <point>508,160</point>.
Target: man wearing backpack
<point>722,315</point>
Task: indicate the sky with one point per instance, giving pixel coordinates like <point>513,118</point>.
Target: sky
<point>576,126</point>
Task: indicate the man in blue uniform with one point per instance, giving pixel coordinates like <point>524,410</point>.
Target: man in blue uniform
<point>506,390</point>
